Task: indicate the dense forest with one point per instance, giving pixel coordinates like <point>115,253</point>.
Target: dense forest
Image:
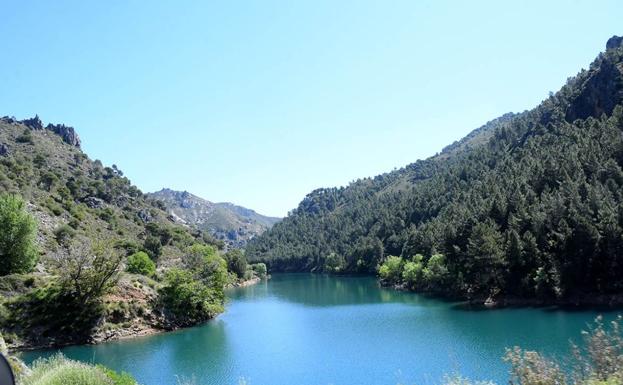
<point>528,206</point>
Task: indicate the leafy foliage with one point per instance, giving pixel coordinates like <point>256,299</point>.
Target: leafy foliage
<point>18,253</point>
<point>236,262</point>
<point>140,263</point>
<point>194,294</point>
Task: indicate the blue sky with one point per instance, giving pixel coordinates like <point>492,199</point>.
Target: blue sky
<point>260,102</point>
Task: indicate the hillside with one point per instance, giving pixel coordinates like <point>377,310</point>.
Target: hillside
<point>527,206</point>
<point>234,225</point>
<point>110,262</point>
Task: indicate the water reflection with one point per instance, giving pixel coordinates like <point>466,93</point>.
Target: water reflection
<point>322,290</point>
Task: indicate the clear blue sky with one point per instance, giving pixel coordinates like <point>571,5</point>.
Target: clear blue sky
<point>259,102</point>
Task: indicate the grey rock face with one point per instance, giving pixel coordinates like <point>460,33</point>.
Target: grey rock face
<point>93,202</point>
<point>66,132</point>
<point>145,216</point>
<point>33,123</point>
<point>4,149</point>
<point>614,42</point>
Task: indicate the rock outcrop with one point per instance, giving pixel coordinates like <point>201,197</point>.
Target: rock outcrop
<point>66,132</point>
<point>614,42</point>
<point>33,123</point>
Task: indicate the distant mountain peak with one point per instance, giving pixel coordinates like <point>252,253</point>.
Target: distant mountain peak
<point>233,224</point>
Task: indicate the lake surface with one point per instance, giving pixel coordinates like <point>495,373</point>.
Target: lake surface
<point>303,329</point>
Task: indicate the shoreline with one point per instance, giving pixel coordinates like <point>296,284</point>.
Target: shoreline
<point>135,330</point>
<point>574,302</point>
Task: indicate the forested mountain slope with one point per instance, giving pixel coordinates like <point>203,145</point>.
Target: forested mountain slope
<point>232,224</point>
<point>529,205</point>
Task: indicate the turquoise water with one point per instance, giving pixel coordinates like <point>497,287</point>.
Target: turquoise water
<point>303,329</point>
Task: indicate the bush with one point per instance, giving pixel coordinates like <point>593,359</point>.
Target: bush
<point>58,370</point>
<point>18,253</point>
<point>140,263</point>
<point>64,234</point>
<point>26,137</point>
<point>599,363</point>
<point>153,246</point>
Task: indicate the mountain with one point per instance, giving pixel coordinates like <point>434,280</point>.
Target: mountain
<point>110,262</point>
<point>527,206</point>
<point>235,225</point>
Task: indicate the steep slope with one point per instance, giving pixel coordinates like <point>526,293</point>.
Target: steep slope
<point>529,205</point>
<point>83,208</point>
<point>235,225</point>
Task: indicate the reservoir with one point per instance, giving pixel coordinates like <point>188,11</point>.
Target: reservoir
<point>305,329</point>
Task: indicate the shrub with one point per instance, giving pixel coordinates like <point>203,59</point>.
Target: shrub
<point>64,234</point>
<point>18,253</point>
<point>599,363</point>
<point>140,263</point>
<point>58,370</point>
<point>153,246</point>
<point>26,137</point>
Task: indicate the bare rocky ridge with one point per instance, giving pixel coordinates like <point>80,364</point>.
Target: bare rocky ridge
<point>235,225</point>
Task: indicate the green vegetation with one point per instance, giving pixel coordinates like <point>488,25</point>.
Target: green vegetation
<point>90,220</point>
<point>528,206</point>
<point>140,263</point>
<point>58,370</point>
<point>71,304</point>
<point>236,262</point>
<point>18,253</point>
<point>194,294</point>
<point>260,270</point>
<point>417,273</point>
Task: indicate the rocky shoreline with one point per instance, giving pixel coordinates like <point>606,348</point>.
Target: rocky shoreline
<point>134,330</point>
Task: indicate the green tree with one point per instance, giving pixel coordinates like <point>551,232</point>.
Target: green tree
<point>436,273</point>
<point>236,262</point>
<point>140,263</point>
<point>413,271</point>
<point>186,300</point>
<point>18,253</point>
<point>334,263</point>
<point>391,269</point>
<point>485,249</point>
<point>260,269</point>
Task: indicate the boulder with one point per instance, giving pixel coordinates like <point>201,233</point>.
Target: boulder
<point>94,202</point>
<point>4,149</point>
<point>145,216</point>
